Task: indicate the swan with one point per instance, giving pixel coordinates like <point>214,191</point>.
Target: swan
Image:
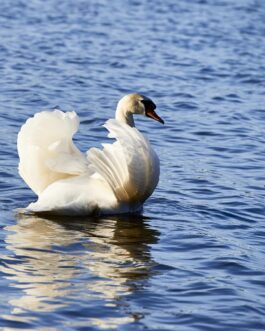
<point>114,180</point>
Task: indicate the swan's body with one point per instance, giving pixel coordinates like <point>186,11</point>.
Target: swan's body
<point>117,179</point>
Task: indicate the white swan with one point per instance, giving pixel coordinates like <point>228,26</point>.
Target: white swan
<point>115,180</point>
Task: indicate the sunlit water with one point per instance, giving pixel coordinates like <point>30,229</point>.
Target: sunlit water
<point>195,260</point>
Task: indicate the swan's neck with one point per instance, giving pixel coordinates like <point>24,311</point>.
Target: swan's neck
<point>124,116</point>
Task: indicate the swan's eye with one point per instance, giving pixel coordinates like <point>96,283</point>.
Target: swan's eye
<point>148,105</point>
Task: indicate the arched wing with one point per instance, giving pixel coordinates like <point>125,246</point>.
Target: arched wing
<point>129,165</point>
<point>46,150</point>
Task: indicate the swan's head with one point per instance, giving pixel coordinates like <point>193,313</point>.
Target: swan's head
<point>135,103</point>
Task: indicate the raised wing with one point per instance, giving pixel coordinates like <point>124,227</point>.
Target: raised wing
<point>129,165</point>
<point>46,150</point>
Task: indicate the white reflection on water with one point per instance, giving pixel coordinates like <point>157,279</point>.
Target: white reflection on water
<point>57,261</point>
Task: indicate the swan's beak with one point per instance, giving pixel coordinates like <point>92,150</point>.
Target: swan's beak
<point>152,114</point>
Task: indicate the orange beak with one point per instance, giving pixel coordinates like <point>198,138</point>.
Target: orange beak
<point>152,114</point>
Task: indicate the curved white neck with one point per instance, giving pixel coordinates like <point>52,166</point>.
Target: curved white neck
<point>124,116</point>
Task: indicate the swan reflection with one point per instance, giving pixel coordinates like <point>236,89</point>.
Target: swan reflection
<point>56,261</point>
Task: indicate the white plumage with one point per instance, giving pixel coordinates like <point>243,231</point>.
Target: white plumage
<point>116,179</point>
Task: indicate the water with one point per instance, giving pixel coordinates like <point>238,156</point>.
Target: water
<point>195,260</point>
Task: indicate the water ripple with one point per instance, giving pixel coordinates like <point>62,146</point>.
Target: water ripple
<point>195,261</point>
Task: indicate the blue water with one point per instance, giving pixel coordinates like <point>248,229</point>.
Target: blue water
<point>195,260</point>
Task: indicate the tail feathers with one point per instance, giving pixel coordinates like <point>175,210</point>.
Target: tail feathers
<point>46,150</point>
<point>129,165</point>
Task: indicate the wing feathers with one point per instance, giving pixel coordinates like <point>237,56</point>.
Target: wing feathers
<point>46,150</point>
<point>129,165</point>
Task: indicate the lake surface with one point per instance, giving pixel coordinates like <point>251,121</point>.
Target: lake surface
<point>195,260</point>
